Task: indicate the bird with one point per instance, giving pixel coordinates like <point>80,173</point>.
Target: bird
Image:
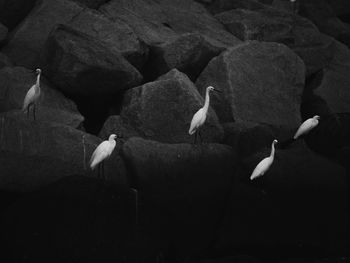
<point>32,95</point>
<point>307,126</point>
<point>201,115</point>
<point>102,152</point>
<point>264,164</point>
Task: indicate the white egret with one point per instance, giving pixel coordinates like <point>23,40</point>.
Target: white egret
<point>101,153</point>
<point>201,115</point>
<point>264,164</point>
<point>32,95</point>
<point>307,126</point>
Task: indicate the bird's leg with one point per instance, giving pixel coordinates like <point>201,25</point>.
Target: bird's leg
<point>34,108</point>
<point>103,170</point>
<point>200,136</point>
<point>195,137</point>
<point>28,107</point>
<point>98,170</point>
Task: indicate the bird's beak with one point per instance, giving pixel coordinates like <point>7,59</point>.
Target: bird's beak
<point>218,90</point>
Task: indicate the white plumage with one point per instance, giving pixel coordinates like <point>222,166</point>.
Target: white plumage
<point>307,126</point>
<point>264,164</point>
<point>103,151</point>
<point>200,116</point>
<point>32,95</point>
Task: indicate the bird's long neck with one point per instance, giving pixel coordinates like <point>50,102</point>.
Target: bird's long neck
<point>37,84</point>
<point>272,155</point>
<point>206,103</point>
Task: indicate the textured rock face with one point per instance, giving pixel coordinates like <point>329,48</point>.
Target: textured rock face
<point>5,61</point>
<point>12,12</point>
<point>163,110</point>
<point>117,35</point>
<point>189,53</point>
<point>29,37</point>
<point>52,106</point>
<point>156,22</point>
<point>34,154</point>
<point>181,189</point>
<point>272,25</point>
<point>79,64</point>
<point>3,32</point>
<point>334,87</point>
<point>261,82</point>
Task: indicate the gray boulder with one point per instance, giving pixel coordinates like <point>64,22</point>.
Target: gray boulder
<point>261,82</point>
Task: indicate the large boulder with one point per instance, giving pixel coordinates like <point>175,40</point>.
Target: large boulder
<point>218,6</point>
<point>189,53</point>
<point>162,110</point>
<point>34,154</point>
<point>334,86</point>
<point>28,39</point>
<point>79,64</point>
<point>156,22</point>
<point>261,82</point>
<point>117,35</point>
<point>12,12</point>
<point>271,25</point>
<point>91,3</point>
<point>52,105</point>
<point>182,190</point>
<point>77,219</point>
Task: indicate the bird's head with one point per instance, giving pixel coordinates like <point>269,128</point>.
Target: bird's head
<point>38,71</point>
<point>275,141</point>
<point>112,137</point>
<point>211,88</point>
<point>316,117</point>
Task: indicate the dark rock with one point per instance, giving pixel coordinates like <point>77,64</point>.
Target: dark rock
<point>330,135</point>
<point>80,64</point>
<point>91,3</point>
<point>247,137</point>
<point>115,125</point>
<point>182,190</point>
<point>219,6</point>
<point>232,259</point>
<point>12,12</point>
<point>77,219</point>
<point>272,25</point>
<point>261,82</point>
<point>334,86</point>
<point>5,61</point>
<point>163,110</point>
<point>35,153</point>
<point>157,22</point>
<point>3,33</point>
<point>309,190</point>
<point>189,53</point>
<point>53,106</point>
<point>28,39</point>
<point>117,35</point>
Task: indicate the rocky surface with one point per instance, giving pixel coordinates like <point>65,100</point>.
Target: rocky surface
<point>52,105</point>
<point>162,110</point>
<point>80,64</point>
<point>36,153</point>
<point>156,22</point>
<point>28,39</point>
<point>184,199</point>
<point>139,69</point>
<point>117,35</point>
<point>261,82</point>
<point>269,24</point>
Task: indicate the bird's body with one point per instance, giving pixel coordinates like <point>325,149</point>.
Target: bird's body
<point>102,152</point>
<point>200,116</point>
<point>32,96</point>
<point>265,164</point>
<point>307,126</point>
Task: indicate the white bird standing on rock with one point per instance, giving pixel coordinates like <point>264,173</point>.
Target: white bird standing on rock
<point>32,95</point>
<point>101,153</point>
<point>307,126</point>
<point>201,115</point>
<point>264,164</point>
